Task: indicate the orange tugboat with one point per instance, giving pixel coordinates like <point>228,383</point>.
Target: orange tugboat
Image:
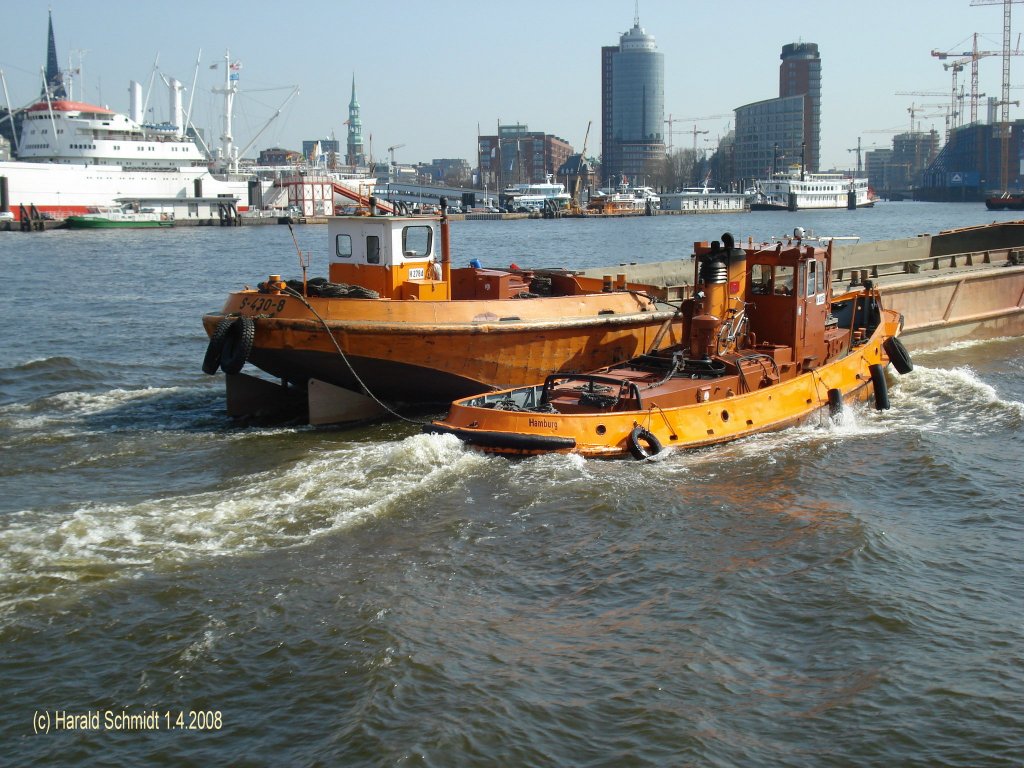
<point>396,322</point>
<point>766,346</point>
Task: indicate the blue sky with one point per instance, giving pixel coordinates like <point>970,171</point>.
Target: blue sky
<point>428,73</point>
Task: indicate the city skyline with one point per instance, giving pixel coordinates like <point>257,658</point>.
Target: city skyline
<point>427,79</point>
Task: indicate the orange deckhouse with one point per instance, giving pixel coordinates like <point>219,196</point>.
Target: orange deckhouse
<point>396,321</point>
<point>396,257</point>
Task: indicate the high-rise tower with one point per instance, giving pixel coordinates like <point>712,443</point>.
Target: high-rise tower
<point>632,106</point>
<point>783,134</point>
<point>354,155</point>
<point>800,75</point>
<point>54,77</point>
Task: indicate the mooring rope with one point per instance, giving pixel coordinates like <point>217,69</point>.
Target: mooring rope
<point>352,370</point>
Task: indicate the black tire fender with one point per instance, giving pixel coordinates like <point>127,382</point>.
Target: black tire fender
<point>898,355</point>
<point>835,403</point>
<point>881,388</point>
<point>237,345</point>
<point>636,440</point>
<point>211,361</point>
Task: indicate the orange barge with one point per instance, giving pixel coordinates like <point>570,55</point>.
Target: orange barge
<point>766,346</point>
<point>395,321</point>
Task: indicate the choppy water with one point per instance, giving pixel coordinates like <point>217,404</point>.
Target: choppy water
<point>825,596</point>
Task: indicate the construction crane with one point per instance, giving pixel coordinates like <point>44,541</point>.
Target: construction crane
<point>706,117</point>
<point>394,168</point>
<point>916,110</point>
<point>972,57</point>
<point>695,133</point>
<point>574,203</point>
<point>957,66</point>
<point>1004,101</point>
<point>672,131</point>
<point>951,115</point>
<point>857,149</point>
<point>692,131</point>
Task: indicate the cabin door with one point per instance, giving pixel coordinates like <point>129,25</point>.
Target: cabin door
<point>812,305</point>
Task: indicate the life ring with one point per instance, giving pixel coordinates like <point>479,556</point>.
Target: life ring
<point>898,355</point>
<point>211,361</point>
<point>880,387</point>
<point>636,441</point>
<point>237,345</point>
<point>835,404</point>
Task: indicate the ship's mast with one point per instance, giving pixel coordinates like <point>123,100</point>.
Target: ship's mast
<point>10,112</point>
<point>227,149</point>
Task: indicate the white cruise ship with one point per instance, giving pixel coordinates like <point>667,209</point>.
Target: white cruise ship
<point>74,157</point>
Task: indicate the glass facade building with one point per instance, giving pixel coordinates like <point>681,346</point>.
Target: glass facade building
<point>769,135</point>
<point>778,135</point>
<point>633,106</point>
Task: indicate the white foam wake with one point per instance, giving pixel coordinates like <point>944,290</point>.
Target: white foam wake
<point>42,549</point>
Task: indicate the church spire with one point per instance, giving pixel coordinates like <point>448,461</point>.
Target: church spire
<point>354,155</point>
<point>54,77</point>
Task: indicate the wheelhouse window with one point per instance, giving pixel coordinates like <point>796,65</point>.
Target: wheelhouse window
<point>372,249</point>
<point>784,280</point>
<point>812,278</point>
<point>767,280</point>
<point>343,246</point>
<point>416,240</point>
<point>761,279</point>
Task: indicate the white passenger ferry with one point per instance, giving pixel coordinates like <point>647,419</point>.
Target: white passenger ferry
<point>796,191</point>
<point>703,199</point>
<point>533,197</point>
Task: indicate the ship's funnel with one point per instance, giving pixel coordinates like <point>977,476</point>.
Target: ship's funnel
<point>737,261</point>
<point>177,112</point>
<point>135,102</point>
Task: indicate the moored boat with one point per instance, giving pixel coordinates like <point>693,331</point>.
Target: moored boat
<point>766,346</point>
<point>624,201</point>
<point>74,156</point>
<point>1007,201</point>
<point>395,321</point>
<point>121,158</point>
<point>704,200</point>
<point>125,217</point>
<point>537,197</point>
<point>798,191</point>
